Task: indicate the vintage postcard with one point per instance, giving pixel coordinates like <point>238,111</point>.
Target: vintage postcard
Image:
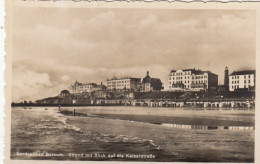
<point>131,82</point>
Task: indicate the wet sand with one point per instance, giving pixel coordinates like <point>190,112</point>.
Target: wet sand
<point>182,144</point>
<point>186,144</point>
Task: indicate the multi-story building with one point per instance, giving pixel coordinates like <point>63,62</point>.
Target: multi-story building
<point>192,79</point>
<point>151,84</point>
<point>242,80</point>
<point>124,83</point>
<point>83,88</point>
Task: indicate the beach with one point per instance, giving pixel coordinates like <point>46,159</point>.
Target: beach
<point>132,134</point>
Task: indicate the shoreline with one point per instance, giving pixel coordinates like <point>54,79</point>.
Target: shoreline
<point>168,120</point>
<point>101,135</point>
<point>185,145</point>
<point>113,105</point>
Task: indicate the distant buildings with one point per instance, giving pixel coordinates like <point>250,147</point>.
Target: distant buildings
<point>192,79</point>
<point>83,88</point>
<point>63,98</point>
<point>124,83</point>
<point>130,88</point>
<point>151,84</point>
<point>242,80</point>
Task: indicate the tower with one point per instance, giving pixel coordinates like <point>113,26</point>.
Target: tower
<point>226,80</point>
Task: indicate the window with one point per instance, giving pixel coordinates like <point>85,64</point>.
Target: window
<point>248,81</point>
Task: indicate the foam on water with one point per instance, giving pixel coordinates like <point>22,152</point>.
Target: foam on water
<point>63,120</point>
<point>124,139</point>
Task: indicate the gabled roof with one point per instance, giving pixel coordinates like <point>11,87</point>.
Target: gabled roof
<point>246,72</point>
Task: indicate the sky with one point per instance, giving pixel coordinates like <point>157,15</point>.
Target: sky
<point>53,47</point>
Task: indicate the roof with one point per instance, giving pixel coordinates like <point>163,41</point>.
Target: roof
<point>196,72</point>
<point>151,80</point>
<point>209,72</point>
<point>78,83</point>
<point>65,91</point>
<point>246,72</point>
<point>123,78</point>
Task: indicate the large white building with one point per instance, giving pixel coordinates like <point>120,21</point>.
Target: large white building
<point>124,83</point>
<point>192,79</point>
<point>78,87</point>
<point>242,80</point>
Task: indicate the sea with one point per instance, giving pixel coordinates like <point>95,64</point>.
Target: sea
<point>44,133</point>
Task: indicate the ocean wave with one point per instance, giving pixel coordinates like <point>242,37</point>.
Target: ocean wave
<point>56,122</point>
<point>63,119</point>
<point>124,139</point>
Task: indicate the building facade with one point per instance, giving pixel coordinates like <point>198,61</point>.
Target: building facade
<point>151,84</point>
<point>240,80</point>
<point>78,87</point>
<point>124,83</point>
<point>192,79</point>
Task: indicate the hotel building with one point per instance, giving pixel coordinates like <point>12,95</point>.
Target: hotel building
<point>192,79</point>
<point>242,80</point>
<point>78,87</point>
<point>124,83</point>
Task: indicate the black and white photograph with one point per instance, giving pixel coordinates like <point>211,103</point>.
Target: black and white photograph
<point>133,84</point>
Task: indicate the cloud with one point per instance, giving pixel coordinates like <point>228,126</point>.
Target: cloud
<point>26,83</point>
<point>92,45</point>
<point>65,78</point>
